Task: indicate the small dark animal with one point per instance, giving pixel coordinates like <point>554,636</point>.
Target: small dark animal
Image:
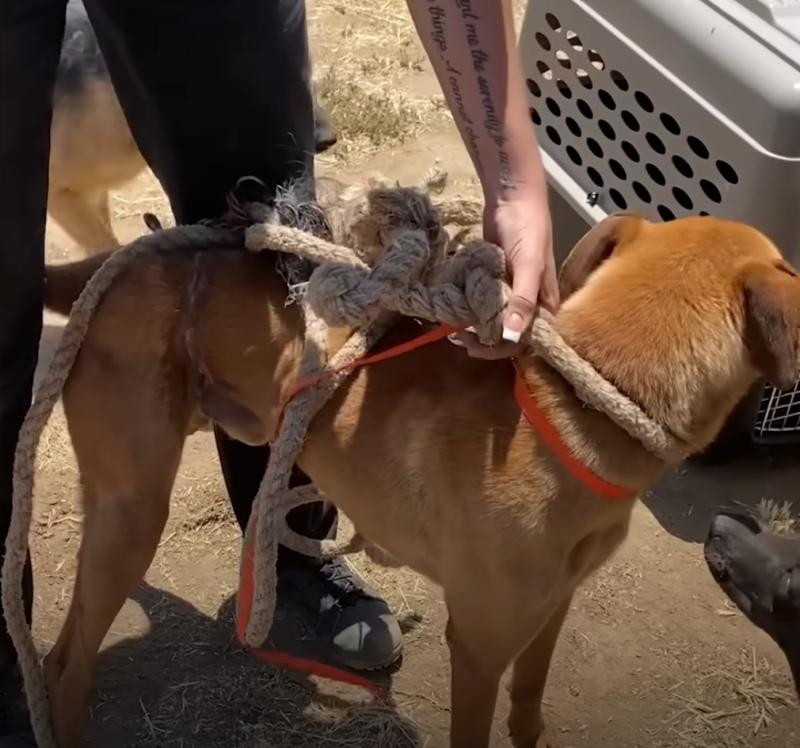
<point>760,572</point>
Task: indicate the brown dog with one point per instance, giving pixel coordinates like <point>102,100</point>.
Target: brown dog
<point>426,453</point>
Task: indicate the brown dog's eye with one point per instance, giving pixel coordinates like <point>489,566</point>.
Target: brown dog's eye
<point>785,268</point>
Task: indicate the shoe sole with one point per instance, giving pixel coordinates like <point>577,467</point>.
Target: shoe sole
<point>295,629</point>
<point>362,667</point>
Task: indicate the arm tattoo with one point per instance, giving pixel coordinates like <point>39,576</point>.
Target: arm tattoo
<point>491,124</point>
<point>438,17</point>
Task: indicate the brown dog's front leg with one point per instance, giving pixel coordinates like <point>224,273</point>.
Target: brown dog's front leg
<point>525,723</point>
<point>474,682</point>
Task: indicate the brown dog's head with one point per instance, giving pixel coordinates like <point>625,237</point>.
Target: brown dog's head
<point>760,573</point>
<point>682,316</point>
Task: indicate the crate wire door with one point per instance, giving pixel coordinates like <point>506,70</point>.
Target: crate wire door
<point>672,108</point>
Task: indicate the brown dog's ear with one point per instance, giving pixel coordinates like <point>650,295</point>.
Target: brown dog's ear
<point>232,416</point>
<point>594,248</point>
<point>772,322</point>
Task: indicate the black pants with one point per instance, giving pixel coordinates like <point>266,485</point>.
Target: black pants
<point>212,91</point>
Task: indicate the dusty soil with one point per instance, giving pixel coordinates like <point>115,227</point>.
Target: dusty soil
<point>651,654</point>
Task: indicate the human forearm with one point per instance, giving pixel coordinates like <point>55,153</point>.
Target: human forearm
<point>472,47</point>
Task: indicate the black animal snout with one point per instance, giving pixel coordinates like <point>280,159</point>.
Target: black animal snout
<point>728,523</point>
<point>730,537</point>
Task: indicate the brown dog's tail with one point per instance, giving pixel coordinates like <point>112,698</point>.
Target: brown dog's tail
<point>64,283</point>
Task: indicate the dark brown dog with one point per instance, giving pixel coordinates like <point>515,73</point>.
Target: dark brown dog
<point>760,573</point>
<point>426,453</point>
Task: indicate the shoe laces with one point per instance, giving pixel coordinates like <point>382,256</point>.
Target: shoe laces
<point>337,573</point>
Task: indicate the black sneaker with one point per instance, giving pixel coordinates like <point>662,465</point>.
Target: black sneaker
<point>326,612</point>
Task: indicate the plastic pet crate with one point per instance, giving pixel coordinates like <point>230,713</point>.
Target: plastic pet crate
<point>674,108</point>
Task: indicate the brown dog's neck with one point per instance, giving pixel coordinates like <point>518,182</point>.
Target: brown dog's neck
<point>591,436</point>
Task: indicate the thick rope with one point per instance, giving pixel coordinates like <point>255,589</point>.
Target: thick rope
<point>401,232</point>
<point>473,292</point>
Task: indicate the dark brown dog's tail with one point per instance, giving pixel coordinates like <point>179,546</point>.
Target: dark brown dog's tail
<point>64,283</point>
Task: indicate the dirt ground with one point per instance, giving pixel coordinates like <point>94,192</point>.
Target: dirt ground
<point>651,654</point>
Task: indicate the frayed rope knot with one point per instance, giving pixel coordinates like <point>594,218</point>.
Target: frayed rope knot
<point>470,290</point>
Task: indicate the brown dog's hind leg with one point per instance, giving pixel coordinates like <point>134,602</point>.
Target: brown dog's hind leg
<point>119,543</point>
<point>128,441</point>
<point>525,723</point>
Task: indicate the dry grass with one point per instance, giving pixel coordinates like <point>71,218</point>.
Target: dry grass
<point>368,59</point>
<point>153,200</point>
<point>366,118</point>
<point>274,713</point>
<point>780,518</point>
<point>55,447</point>
<point>725,708</point>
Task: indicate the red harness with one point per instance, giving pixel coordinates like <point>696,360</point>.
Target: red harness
<point>525,400</point>
<point>550,436</point>
<point>533,415</point>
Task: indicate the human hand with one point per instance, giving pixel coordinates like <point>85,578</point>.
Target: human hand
<point>521,227</point>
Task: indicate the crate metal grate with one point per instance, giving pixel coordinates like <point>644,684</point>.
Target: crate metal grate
<point>778,415</point>
<point>674,109</point>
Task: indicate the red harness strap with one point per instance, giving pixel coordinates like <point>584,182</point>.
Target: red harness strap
<point>550,436</point>
<point>431,336</point>
<point>246,576</point>
<point>527,404</point>
<point>284,659</point>
<point>533,415</point>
